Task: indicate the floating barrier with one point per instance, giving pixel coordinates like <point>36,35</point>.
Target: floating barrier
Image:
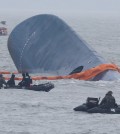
<point>84,75</point>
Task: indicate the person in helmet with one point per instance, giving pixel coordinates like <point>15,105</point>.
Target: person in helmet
<point>108,101</point>
<point>11,81</point>
<point>2,81</point>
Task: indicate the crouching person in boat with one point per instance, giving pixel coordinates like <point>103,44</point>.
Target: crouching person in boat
<point>108,101</point>
<point>26,81</point>
<point>11,81</point>
<point>21,83</point>
<point>2,81</point>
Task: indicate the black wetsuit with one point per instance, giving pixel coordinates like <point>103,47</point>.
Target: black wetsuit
<point>2,81</point>
<point>26,81</point>
<point>11,82</point>
<point>108,102</point>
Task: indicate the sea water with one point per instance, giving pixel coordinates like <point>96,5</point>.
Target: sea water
<point>32,112</point>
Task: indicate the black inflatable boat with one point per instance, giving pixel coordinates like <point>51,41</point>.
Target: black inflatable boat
<point>92,106</point>
<point>41,87</point>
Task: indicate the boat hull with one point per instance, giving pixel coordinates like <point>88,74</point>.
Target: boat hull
<point>41,87</point>
<point>46,44</point>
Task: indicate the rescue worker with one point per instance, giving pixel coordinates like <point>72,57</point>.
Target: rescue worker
<point>22,83</point>
<point>108,101</point>
<point>11,81</point>
<point>26,81</point>
<point>2,81</point>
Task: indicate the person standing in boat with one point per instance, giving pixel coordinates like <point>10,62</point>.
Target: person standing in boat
<point>108,101</point>
<point>2,81</point>
<point>11,81</point>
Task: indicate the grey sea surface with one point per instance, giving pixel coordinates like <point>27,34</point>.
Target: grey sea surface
<point>32,112</point>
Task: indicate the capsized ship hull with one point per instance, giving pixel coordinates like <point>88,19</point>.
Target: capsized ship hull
<point>46,44</point>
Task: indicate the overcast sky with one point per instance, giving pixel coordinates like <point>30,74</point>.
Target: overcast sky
<point>60,6</point>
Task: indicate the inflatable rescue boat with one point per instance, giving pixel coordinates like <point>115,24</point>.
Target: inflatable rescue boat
<point>41,87</point>
<point>92,106</point>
